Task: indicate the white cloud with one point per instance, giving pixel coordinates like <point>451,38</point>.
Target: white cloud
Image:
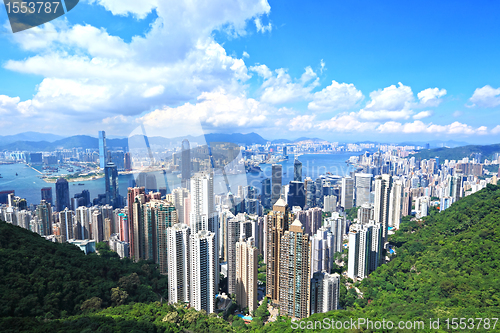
<point>419,127</point>
<point>423,114</point>
<point>280,88</point>
<point>301,123</point>
<point>457,114</point>
<point>337,96</point>
<point>389,103</point>
<point>346,122</point>
<point>431,96</point>
<point>322,66</point>
<point>8,104</point>
<point>262,70</point>
<point>153,91</point>
<point>485,97</point>
<point>245,54</point>
<point>262,28</point>
<point>496,130</point>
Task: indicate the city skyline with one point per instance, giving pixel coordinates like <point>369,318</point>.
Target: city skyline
<point>101,65</point>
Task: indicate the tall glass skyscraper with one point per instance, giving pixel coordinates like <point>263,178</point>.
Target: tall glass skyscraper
<point>277,170</point>
<point>62,194</point>
<point>102,149</point>
<point>111,175</point>
<point>297,170</point>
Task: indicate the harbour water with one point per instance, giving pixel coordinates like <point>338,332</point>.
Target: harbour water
<point>27,183</point>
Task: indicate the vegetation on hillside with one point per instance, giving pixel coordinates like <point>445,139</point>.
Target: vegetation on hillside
<point>446,266</point>
<point>41,278</point>
<point>458,152</point>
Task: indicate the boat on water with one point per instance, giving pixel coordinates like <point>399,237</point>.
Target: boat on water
<point>80,184</point>
<point>253,169</point>
<point>17,174</point>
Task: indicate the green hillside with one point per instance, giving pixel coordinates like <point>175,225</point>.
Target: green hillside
<point>41,278</point>
<point>446,266</point>
<point>458,152</point>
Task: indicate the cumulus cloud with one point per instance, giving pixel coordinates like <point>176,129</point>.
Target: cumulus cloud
<point>419,127</point>
<point>337,96</point>
<point>393,102</point>
<point>301,123</point>
<point>485,97</point>
<point>423,114</point>
<point>261,27</point>
<point>279,87</point>
<point>496,130</point>
<point>346,122</point>
<point>431,96</point>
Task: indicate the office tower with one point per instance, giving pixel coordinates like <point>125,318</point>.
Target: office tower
<point>111,179</point>
<point>310,187</point>
<point>297,170</point>
<point>365,213</point>
<point>159,215</point>
<point>395,205</point>
<point>186,164</point>
<point>62,194</point>
<point>44,214</point>
<point>322,250</point>
<point>277,170</point>
<point>265,196</point>
<point>347,195</point>
<point>296,194</point>
<point>203,270</point>
<point>277,224</point>
<point>47,195</point>
<point>132,193</point>
<point>97,227</point>
<point>363,188</point>
<point>178,263</point>
<point>246,274</point>
<point>325,292</point>
<point>294,272</point>
<point>102,150</point>
<point>127,162</point>
<point>237,227</point>
<point>179,196</point>
<point>330,203</point>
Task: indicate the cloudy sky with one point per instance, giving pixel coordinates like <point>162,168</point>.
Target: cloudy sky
<point>338,70</point>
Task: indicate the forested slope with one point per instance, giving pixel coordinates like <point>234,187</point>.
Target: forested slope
<point>41,278</point>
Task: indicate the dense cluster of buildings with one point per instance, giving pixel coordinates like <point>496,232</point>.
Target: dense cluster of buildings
<point>194,234</point>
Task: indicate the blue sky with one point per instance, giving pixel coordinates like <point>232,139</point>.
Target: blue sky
<point>342,71</point>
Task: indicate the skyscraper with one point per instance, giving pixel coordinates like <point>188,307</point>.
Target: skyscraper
<point>294,272</point>
<point>111,178</point>
<point>186,164</point>
<point>203,270</point>
<point>178,263</point>
<point>347,195</point>
<point>395,205</point>
<point>324,292</point>
<point>277,224</point>
<point>363,188</point>
<point>383,186</point>
<point>246,274</point>
<point>365,249</point>
<point>322,250</point>
<point>277,170</point>
<point>202,201</point>
<point>62,194</point>
<point>47,195</point>
<point>44,214</point>
<point>265,196</point>
<point>296,194</point>
<point>102,150</point>
<point>297,170</point>
<point>66,221</point>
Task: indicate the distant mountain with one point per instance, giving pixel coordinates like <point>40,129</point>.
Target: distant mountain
<point>29,136</point>
<point>436,143</point>
<point>88,142</point>
<point>459,152</point>
<point>308,139</point>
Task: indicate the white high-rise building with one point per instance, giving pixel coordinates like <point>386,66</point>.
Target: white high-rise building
<point>324,292</point>
<point>237,227</point>
<point>246,274</point>
<point>365,249</point>
<point>180,196</point>
<point>363,188</point>
<point>322,250</point>
<point>203,266</point>
<point>396,204</point>
<point>330,203</point>
<point>336,226</point>
<point>383,185</point>
<point>347,195</point>
<point>202,201</point>
<point>178,263</point>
